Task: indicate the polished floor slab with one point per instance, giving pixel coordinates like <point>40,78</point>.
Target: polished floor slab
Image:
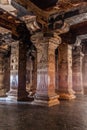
<point>68,115</point>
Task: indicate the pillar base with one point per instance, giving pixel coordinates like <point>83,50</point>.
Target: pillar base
<point>12,95</point>
<point>66,96</point>
<point>46,101</point>
<point>22,95</point>
<point>79,92</point>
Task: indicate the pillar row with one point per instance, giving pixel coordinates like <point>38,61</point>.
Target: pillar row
<point>77,70</point>
<point>65,71</point>
<point>45,92</point>
<point>17,72</point>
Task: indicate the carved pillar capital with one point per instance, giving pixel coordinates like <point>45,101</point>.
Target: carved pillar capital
<point>39,39</point>
<point>77,51</point>
<point>54,41</point>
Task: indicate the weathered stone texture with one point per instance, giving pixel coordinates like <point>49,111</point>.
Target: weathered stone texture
<point>2,89</point>
<point>45,93</point>
<point>84,65</point>
<point>18,71</point>
<point>7,74</point>
<point>4,1</point>
<point>77,70</point>
<point>65,71</point>
<point>85,73</point>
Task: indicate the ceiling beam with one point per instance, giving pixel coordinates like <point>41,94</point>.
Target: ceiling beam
<point>79,29</point>
<point>75,30</point>
<point>49,16</point>
<point>10,22</point>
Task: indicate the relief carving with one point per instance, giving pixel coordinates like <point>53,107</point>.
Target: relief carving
<point>14,81</point>
<point>44,46</point>
<point>42,82</point>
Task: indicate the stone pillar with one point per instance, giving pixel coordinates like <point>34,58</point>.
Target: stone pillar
<point>65,71</point>
<point>2,87</point>
<point>84,65</point>
<point>34,74</point>
<point>7,73</point>
<point>18,72</point>
<point>85,73</point>
<point>77,70</point>
<point>45,92</point>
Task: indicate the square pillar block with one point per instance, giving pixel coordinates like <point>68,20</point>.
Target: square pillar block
<point>18,72</point>
<point>2,75</point>
<point>84,73</point>
<point>77,70</point>
<point>45,92</point>
<point>65,72</point>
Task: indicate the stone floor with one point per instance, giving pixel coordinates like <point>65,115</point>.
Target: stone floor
<point>69,115</point>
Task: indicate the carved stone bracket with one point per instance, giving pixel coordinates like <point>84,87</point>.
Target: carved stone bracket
<point>65,28</point>
<point>31,23</point>
<point>39,39</point>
